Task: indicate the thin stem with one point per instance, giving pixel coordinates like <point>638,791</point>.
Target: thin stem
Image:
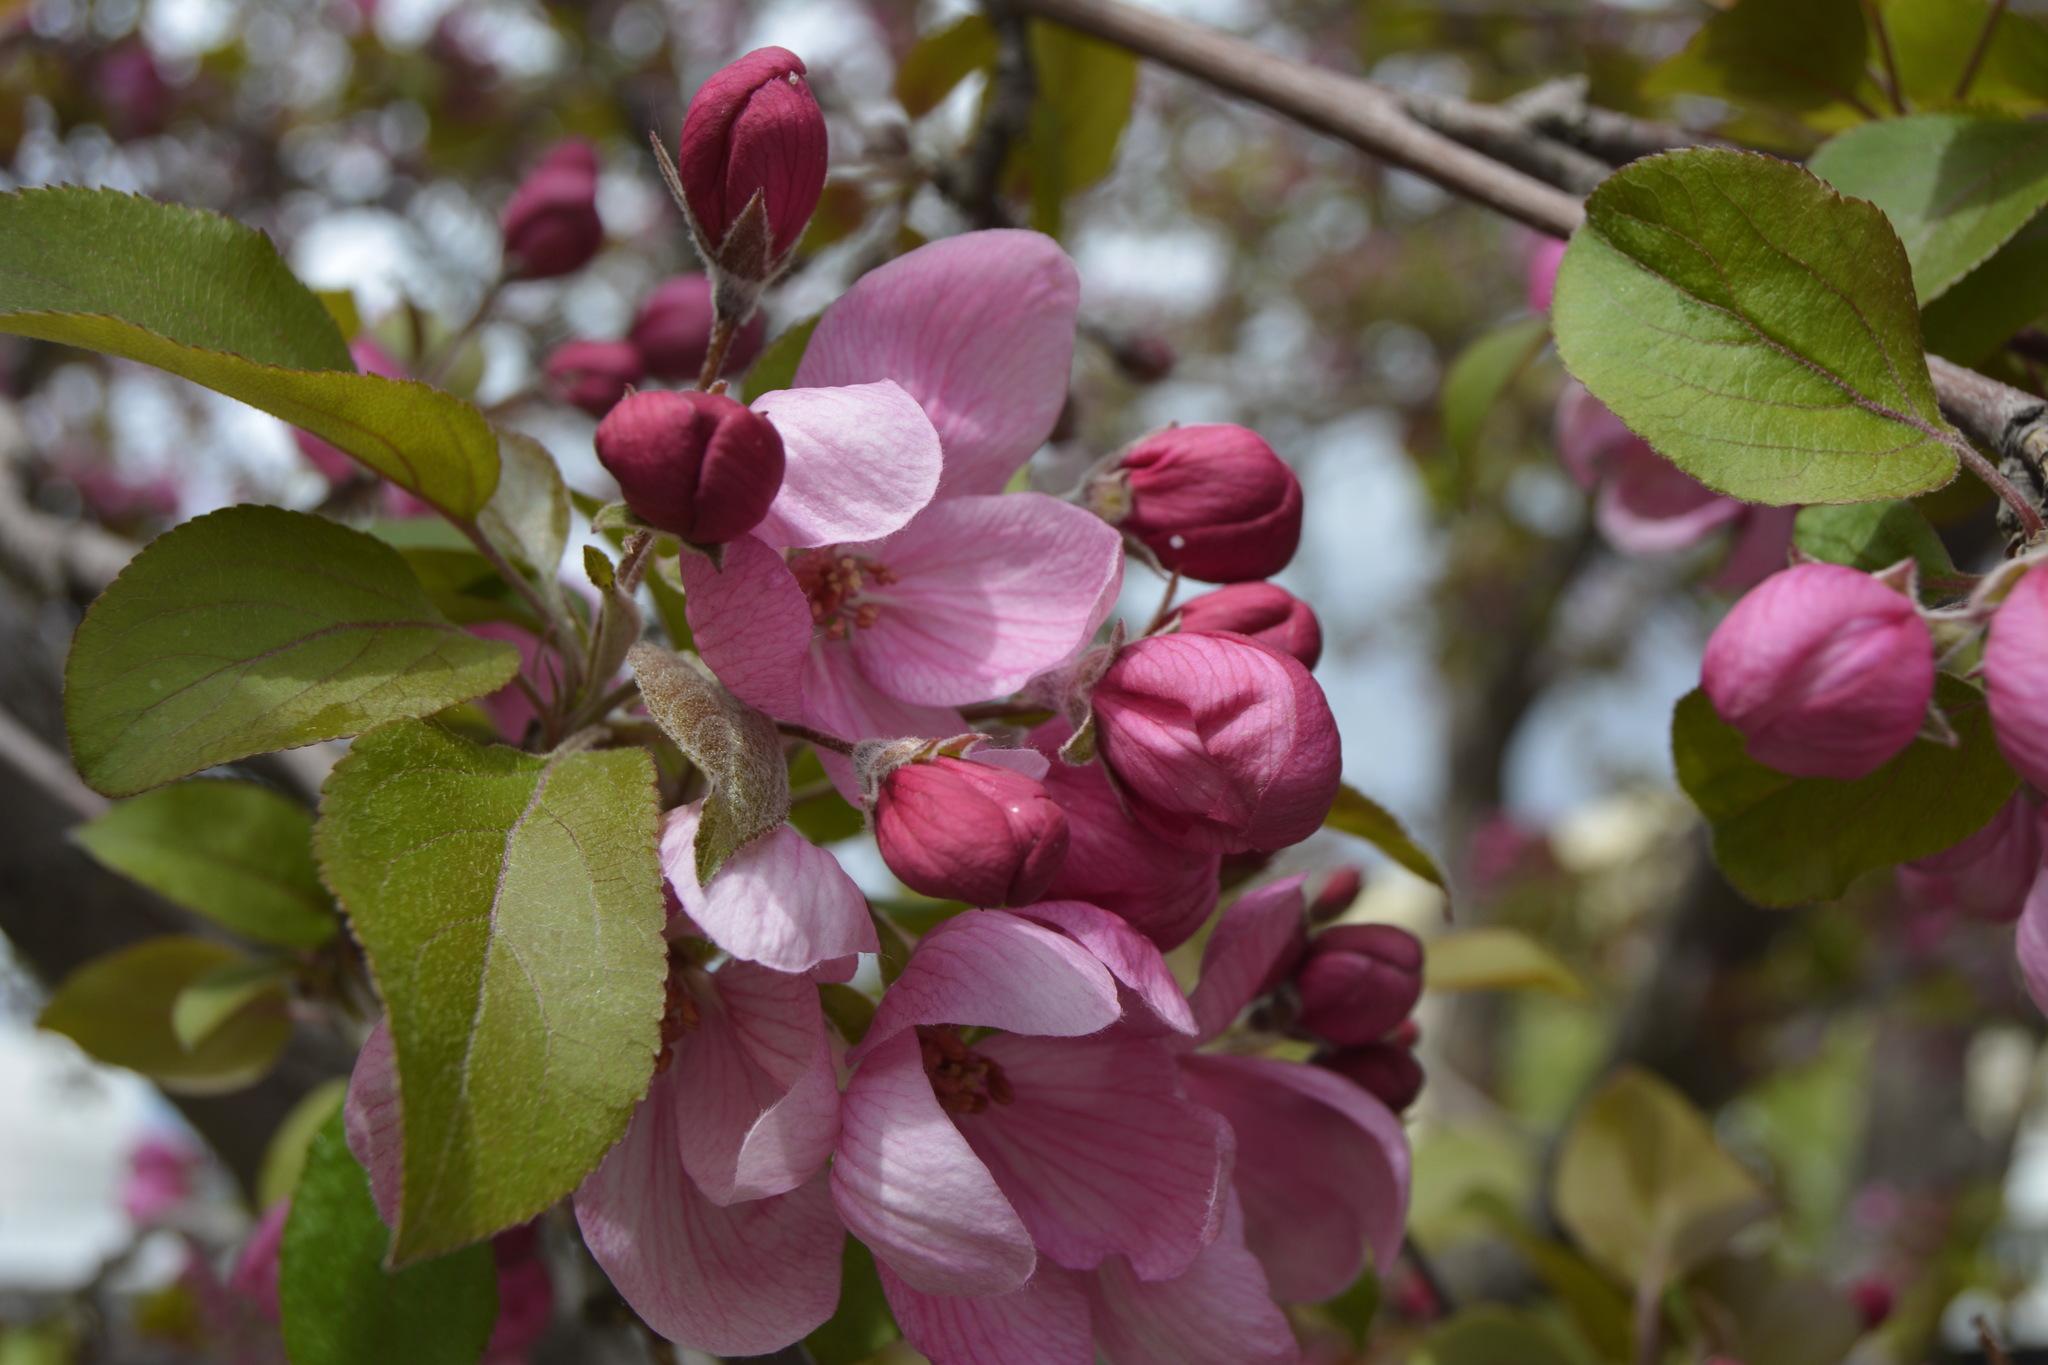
<point>446,360</point>
<point>1970,68</point>
<point>817,738</point>
<point>1165,604</point>
<point>1004,710</point>
<point>1893,90</point>
<point>25,752</point>
<point>633,561</point>
<point>560,634</point>
<point>604,705</point>
<point>1993,1352</point>
<point>2030,519</point>
<point>1425,1269</point>
<point>1649,1311</point>
<point>722,332</point>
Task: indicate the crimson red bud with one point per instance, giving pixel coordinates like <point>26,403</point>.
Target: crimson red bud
<point>593,375</point>
<point>672,331</point>
<point>1874,1299</point>
<point>1213,502</point>
<point>697,465</point>
<point>1340,889</point>
<point>1387,1071</point>
<point>1264,611</point>
<point>551,224</point>
<point>1359,981</point>
<point>968,831</point>
<point>753,129</point>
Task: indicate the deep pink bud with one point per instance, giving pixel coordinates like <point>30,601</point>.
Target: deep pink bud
<point>1359,981</point>
<point>1117,864</point>
<point>594,375</point>
<point>754,128</point>
<point>968,831</point>
<point>1264,611</point>
<point>697,465</point>
<point>1220,743</point>
<point>551,225</point>
<point>526,1294</point>
<point>673,331</point>
<point>1213,502</point>
<point>1874,1299</point>
<point>2016,674</point>
<point>1987,875</point>
<point>1386,1071</point>
<point>1340,889</point>
<point>1827,672</point>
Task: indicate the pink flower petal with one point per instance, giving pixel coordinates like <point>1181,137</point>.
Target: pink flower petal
<point>988,968</point>
<point>860,462</point>
<point>1251,940</point>
<point>1649,506</point>
<point>1044,1323</point>
<point>979,328</point>
<point>1763,545</point>
<point>839,700</point>
<point>908,1185</point>
<point>1131,957</point>
<point>780,900</point>
<point>989,592</point>
<point>1101,1155</point>
<point>1218,1313</point>
<point>2016,668</point>
<point>1322,1168</point>
<point>373,1121</point>
<point>751,623</point>
<point>2031,942</point>
<point>1587,434</point>
<point>764,1093</point>
<point>738,1281</point>
<point>1029,762</point>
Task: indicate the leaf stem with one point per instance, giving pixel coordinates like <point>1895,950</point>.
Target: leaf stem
<point>446,360</point>
<point>560,634</point>
<point>1977,53</point>
<point>817,738</point>
<point>1165,604</point>
<point>1892,90</point>
<point>722,332</point>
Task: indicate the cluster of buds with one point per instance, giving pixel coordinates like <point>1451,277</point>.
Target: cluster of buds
<point>670,340</point>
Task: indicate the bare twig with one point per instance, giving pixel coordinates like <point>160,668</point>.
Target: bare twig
<point>1892,89</point>
<point>1971,67</point>
<point>817,738</point>
<point>975,183</point>
<point>1559,108</point>
<point>23,751</point>
<point>1498,131</point>
<point>2010,423</point>
<point>1993,1352</point>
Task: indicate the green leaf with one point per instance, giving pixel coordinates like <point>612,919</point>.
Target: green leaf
<point>1794,56</point>
<point>665,585</point>
<point>1970,322</point>
<point>284,1160</point>
<point>1786,840</point>
<point>1756,328</point>
<point>118,1008</point>
<point>342,1307</point>
<point>1871,536</point>
<point>1360,815</point>
<point>1354,1310</point>
<point>205,1006</point>
<point>1496,959</point>
<point>510,906</point>
<point>238,853</point>
<point>823,815</point>
<point>737,748</point>
<point>1085,88</point>
<point>209,299</point>
<point>1956,187</point>
<point>1780,1316</point>
<point>862,1324</point>
<point>776,368</point>
<point>527,518</point>
<point>464,587</point>
<point>1491,1334</point>
<point>1601,1311</point>
<point>1642,1186</point>
<point>1482,373</point>
<point>941,60</point>
<point>1933,41</point>
<point>252,629</point>
<point>849,1010</point>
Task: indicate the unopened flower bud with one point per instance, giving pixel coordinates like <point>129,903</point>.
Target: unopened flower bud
<point>754,133</point>
<point>1827,672</point>
<point>1340,889</point>
<point>551,225</point>
<point>1873,1299</point>
<point>1220,743</point>
<point>1387,1071</point>
<point>1264,611</point>
<point>672,331</point>
<point>1143,357</point>
<point>1359,981</point>
<point>1987,875</point>
<point>975,832</point>
<point>1212,502</point>
<point>697,465</point>
<point>2016,675</point>
<point>593,375</point>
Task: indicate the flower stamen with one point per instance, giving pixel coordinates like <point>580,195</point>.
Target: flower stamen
<point>833,580</point>
<point>963,1079</point>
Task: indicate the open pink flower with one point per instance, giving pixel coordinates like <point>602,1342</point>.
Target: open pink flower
<point>779,900</point>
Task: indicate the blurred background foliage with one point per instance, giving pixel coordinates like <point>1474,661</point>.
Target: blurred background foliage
<point>1809,1122</point>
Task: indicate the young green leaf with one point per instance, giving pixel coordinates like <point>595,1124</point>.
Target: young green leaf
<point>1482,373</point>
<point>284,1159</point>
<point>1970,322</point>
<point>1492,1333</point>
<point>119,1007</point>
<point>527,518</point>
<point>1757,328</point>
<point>236,852</point>
<point>252,629</point>
<point>1956,187</point>
<point>1871,536</point>
<point>1085,87</point>
<point>1785,840</point>
<point>1496,958</point>
<point>941,60</point>
<point>342,1307</point>
<point>209,299</point>
<point>738,749</point>
<point>206,1005</point>
<point>1935,41</point>
<point>1642,1186</point>
<point>1360,815</point>
<point>510,906</point>
<point>1795,56</point>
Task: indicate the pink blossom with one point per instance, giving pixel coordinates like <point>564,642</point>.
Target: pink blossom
<point>1218,742</point>
<point>1266,612</point>
<point>1386,1070</point>
<point>753,130</point>
<point>526,1296</point>
<point>1164,891</point>
<point>976,832</point>
<point>551,225</point>
<point>1986,875</point>
<point>160,1173</point>
<point>1826,671</point>
<point>1545,255</point>
<point>1339,891</point>
<point>2016,672</point>
<point>779,900</point>
<point>254,1275</point>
